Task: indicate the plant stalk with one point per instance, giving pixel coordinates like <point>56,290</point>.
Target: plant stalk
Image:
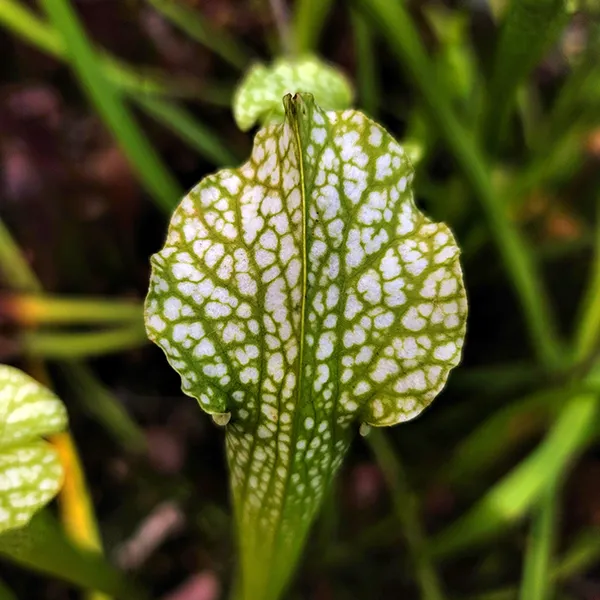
<point>407,512</point>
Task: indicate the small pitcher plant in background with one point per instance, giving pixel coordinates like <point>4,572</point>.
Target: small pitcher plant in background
<point>31,473</point>
<point>301,296</point>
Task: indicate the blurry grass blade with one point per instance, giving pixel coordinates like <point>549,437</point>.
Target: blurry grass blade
<point>366,77</point>
<point>40,309</point>
<point>395,24</point>
<point>28,26</point>
<point>139,87</point>
<point>405,505</point>
<point>44,548</point>
<point>536,581</point>
<point>13,266</point>
<point>587,335</point>
<point>198,136</point>
<point>583,553</point>
<point>506,377</point>
<point>6,593</point>
<point>579,94</point>
<point>100,403</point>
<point>76,510</point>
<point>198,28</point>
<point>528,28</point>
<point>504,430</point>
<point>154,82</point>
<point>136,82</point>
<point>21,546</point>
<point>22,21</point>
<point>309,18</point>
<point>516,492</point>
<point>58,345</point>
<point>111,107</point>
<point>281,21</point>
<point>454,58</point>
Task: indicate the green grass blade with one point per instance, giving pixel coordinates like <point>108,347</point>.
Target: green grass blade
<point>309,18</point>
<point>495,438</point>
<point>56,345</point>
<point>583,553</point>
<point>43,547</point>
<point>45,309</point>
<point>6,593</point>
<point>100,404</point>
<point>528,29</point>
<point>22,21</point>
<point>13,265</point>
<point>109,104</point>
<point>577,95</point>
<point>142,89</point>
<point>395,24</point>
<point>407,513</point>
<point>509,499</point>
<point>198,136</point>
<point>507,377</point>
<point>367,80</point>
<point>25,24</point>
<point>155,82</point>
<point>587,335</point>
<point>536,582</point>
<point>199,29</point>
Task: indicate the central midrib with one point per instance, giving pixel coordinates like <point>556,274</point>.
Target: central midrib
<point>296,130</point>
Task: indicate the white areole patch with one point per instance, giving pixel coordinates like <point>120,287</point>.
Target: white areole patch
<point>343,303</point>
<point>30,470</point>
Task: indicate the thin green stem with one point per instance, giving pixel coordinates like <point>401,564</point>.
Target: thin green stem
<point>366,64</point>
<point>282,23</point>
<point>536,582</point>
<point>587,335</point>
<point>405,506</point>
<point>109,104</point>
<point>309,18</point>
<point>395,24</point>
<point>51,345</point>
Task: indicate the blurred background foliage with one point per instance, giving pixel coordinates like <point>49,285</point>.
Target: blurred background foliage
<point>110,110</point>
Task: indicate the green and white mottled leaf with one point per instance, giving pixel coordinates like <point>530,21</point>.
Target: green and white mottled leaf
<point>30,470</point>
<point>302,293</point>
<point>258,97</point>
